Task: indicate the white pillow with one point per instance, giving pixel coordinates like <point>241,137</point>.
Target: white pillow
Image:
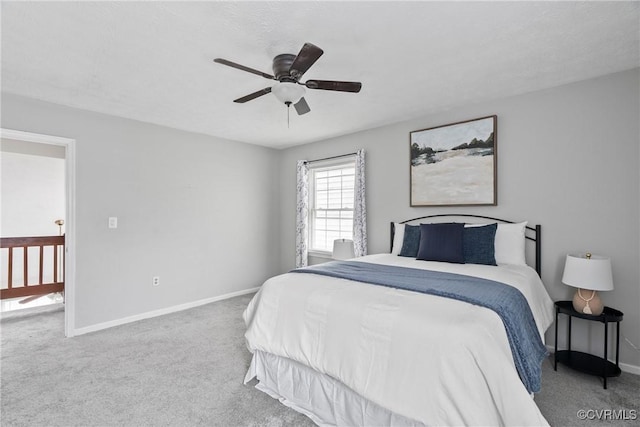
<point>510,243</point>
<point>398,238</point>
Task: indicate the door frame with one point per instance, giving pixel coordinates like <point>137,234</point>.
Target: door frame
<point>70,215</point>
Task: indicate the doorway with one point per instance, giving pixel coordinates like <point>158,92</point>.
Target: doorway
<point>61,148</point>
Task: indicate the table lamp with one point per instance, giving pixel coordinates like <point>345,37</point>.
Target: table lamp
<point>343,249</point>
<point>590,274</point>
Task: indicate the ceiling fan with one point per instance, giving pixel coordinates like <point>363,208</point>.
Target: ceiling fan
<point>288,70</point>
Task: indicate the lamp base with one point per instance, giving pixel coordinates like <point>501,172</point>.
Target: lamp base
<point>587,302</point>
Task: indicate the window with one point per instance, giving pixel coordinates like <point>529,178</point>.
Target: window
<point>331,204</point>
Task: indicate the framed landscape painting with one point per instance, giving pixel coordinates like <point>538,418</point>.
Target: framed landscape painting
<point>455,164</point>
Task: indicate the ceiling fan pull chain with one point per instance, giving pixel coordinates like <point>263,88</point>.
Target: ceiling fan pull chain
<point>288,108</point>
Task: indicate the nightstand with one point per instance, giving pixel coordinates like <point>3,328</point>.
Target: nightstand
<point>584,362</point>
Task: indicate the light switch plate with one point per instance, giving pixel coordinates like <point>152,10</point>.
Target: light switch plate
<point>113,222</point>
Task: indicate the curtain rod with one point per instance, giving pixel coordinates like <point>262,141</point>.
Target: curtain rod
<point>330,158</point>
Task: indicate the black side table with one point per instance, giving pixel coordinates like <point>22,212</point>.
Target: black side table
<point>584,362</point>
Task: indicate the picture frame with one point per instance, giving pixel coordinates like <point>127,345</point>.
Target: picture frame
<point>455,164</point>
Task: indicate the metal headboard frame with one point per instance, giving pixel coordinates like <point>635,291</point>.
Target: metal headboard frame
<point>535,231</point>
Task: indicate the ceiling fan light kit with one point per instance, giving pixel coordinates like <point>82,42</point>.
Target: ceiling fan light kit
<point>288,92</point>
<point>288,70</point>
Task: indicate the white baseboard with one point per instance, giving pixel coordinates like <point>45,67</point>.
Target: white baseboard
<point>624,367</point>
<point>632,369</point>
<point>155,313</point>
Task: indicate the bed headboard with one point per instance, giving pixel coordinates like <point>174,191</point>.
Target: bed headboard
<point>533,233</point>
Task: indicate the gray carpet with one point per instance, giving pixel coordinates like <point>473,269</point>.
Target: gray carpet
<point>186,369</point>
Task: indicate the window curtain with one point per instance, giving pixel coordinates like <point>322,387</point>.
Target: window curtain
<point>302,213</point>
<point>360,209</point>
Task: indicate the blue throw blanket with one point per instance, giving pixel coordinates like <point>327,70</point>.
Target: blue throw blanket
<point>508,302</point>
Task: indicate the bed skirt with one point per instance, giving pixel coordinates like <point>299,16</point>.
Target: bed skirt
<point>327,401</point>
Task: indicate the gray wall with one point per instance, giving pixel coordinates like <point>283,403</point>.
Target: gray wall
<point>568,159</point>
<point>192,209</point>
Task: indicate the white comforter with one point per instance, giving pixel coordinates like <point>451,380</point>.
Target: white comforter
<point>432,359</point>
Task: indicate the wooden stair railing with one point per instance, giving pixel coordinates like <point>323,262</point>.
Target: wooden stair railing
<point>27,289</point>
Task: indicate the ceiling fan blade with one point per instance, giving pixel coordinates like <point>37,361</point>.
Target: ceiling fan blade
<point>333,85</point>
<point>243,68</point>
<point>253,95</point>
<point>307,56</point>
<point>302,107</point>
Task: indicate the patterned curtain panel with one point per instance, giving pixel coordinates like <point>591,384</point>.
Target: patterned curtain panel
<point>302,209</point>
<point>360,209</point>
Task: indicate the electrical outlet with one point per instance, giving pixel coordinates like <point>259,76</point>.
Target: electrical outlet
<point>156,281</point>
<point>113,222</point>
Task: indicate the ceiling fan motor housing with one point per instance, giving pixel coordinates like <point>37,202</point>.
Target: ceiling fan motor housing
<point>282,66</point>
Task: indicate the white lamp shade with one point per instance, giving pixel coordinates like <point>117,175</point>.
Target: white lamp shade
<point>288,92</point>
<point>343,249</point>
<point>592,273</point>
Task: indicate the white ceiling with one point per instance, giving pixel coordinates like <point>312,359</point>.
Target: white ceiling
<point>152,61</point>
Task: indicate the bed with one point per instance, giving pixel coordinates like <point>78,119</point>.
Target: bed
<point>347,352</point>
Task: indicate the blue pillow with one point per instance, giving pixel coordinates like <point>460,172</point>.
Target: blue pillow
<point>411,241</point>
<point>479,244</point>
<point>441,242</point>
